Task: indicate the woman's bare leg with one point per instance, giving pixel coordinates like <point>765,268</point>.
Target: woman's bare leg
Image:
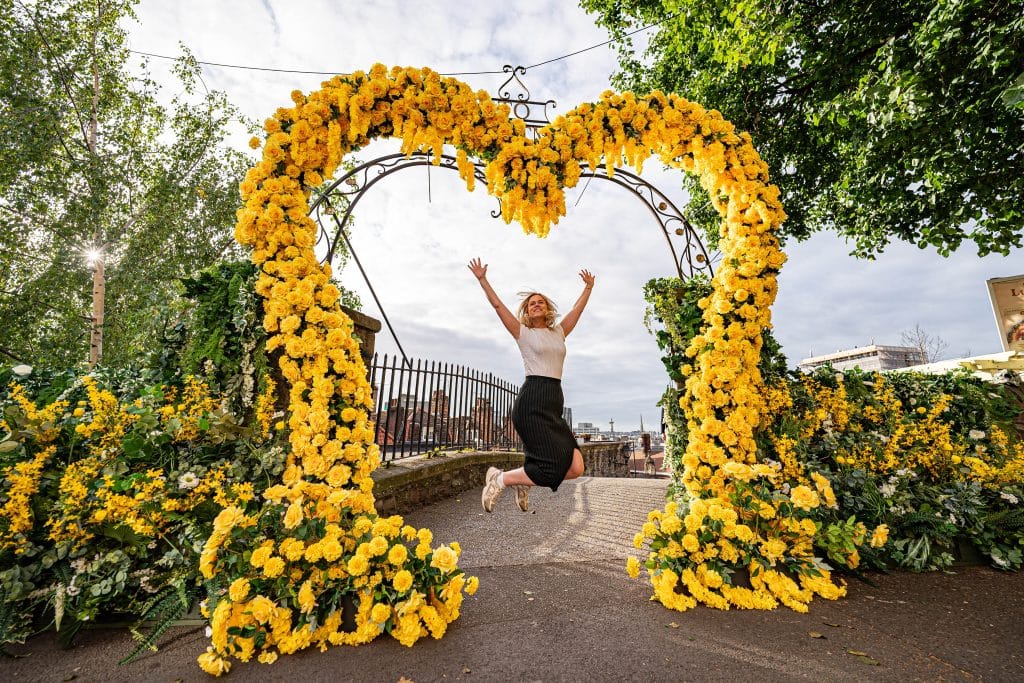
<point>518,476</point>
<point>497,481</point>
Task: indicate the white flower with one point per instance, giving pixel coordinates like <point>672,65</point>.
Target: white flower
<point>209,631</point>
<point>73,590</point>
<point>1012,499</point>
<point>887,490</point>
<point>189,480</point>
<point>22,370</point>
<point>976,434</point>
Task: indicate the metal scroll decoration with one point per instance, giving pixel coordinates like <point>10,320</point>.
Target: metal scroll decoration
<point>689,253</point>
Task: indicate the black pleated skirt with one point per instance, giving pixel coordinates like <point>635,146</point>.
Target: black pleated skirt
<point>548,442</point>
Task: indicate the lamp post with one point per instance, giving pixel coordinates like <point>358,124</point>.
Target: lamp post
<point>95,258</point>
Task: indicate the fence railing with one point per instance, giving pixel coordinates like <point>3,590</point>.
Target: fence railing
<point>426,405</point>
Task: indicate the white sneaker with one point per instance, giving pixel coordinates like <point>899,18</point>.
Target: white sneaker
<point>522,497</point>
<point>493,488</point>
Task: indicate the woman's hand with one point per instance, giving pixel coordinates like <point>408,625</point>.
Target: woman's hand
<point>588,278</point>
<point>480,270</point>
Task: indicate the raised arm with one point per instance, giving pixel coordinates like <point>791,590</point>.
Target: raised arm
<point>508,320</point>
<point>573,316</point>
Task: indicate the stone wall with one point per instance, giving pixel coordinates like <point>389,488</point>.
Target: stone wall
<point>412,483</point>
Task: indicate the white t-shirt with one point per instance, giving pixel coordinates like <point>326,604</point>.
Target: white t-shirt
<point>543,350</point>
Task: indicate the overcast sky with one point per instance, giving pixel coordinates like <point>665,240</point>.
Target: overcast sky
<point>415,233</point>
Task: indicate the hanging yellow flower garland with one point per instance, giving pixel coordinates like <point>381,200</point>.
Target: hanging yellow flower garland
<point>316,538</point>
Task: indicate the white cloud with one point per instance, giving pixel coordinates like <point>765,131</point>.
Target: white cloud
<point>415,250</point>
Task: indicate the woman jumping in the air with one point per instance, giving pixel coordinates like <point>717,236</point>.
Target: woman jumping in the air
<point>548,442</point>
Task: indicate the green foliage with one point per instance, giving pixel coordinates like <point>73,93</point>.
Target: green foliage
<point>110,167</point>
<point>226,339</point>
<point>674,318</point>
<point>162,610</point>
<point>892,120</point>
<point>838,539</point>
<point>935,504</point>
<point>124,570</point>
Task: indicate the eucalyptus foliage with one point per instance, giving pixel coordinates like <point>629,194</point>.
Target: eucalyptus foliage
<point>93,158</point>
<point>899,119</point>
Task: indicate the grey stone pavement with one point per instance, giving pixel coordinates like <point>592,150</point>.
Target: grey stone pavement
<point>555,604</point>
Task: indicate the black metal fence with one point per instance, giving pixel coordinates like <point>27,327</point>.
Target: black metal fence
<point>428,405</point>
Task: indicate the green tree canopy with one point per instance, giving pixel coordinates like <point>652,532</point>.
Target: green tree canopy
<point>881,119</point>
<point>91,158</point>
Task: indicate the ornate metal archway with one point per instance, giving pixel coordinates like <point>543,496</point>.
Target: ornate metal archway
<point>688,251</point>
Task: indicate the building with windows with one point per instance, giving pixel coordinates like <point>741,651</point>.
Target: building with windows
<point>874,357</point>
<point>587,428</point>
<point>567,416</point>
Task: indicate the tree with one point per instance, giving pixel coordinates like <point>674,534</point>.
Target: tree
<point>91,160</point>
<point>891,119</point>
<point>933,347</point>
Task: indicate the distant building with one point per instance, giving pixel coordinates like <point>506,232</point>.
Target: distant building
<point>567,416</point>
<point>587,428</point>
<point>874,357</point>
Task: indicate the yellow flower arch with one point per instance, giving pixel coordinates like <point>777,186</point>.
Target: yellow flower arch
<point>316,536</point>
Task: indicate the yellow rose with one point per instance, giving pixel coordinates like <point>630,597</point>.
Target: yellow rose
<point>273,567</point>
<point>690,543</point>
<point>632,567</point>
<point>262,608</point>
<point>213,664</point>
<point>472,584</point>
<point>260,555</point>
<point>402,581</point>
<point>804,497</point>
<point>378,546</point>
<point>239,590</point>
<point>880,536</point>
<point>293,517</point>
<point>358,565</point>
<point>398,554</point>
<point>445,559</point>
<point>380,613</point>
<point>307,600</point>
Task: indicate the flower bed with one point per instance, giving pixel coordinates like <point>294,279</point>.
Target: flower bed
<point>893,470</point>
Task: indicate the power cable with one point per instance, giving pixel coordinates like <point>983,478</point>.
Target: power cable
<point>454,73</point>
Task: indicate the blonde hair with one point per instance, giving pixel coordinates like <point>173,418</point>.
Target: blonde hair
<point>523,316</point>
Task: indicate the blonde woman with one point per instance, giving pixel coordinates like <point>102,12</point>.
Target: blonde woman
<point>548,442</point>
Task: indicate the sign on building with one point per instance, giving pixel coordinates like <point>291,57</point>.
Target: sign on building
<point>1007,295</point>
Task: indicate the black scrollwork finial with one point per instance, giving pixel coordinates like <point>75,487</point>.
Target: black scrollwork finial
<point>505,91</point>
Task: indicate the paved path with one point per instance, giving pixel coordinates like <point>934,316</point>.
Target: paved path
<point>556,605</point>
